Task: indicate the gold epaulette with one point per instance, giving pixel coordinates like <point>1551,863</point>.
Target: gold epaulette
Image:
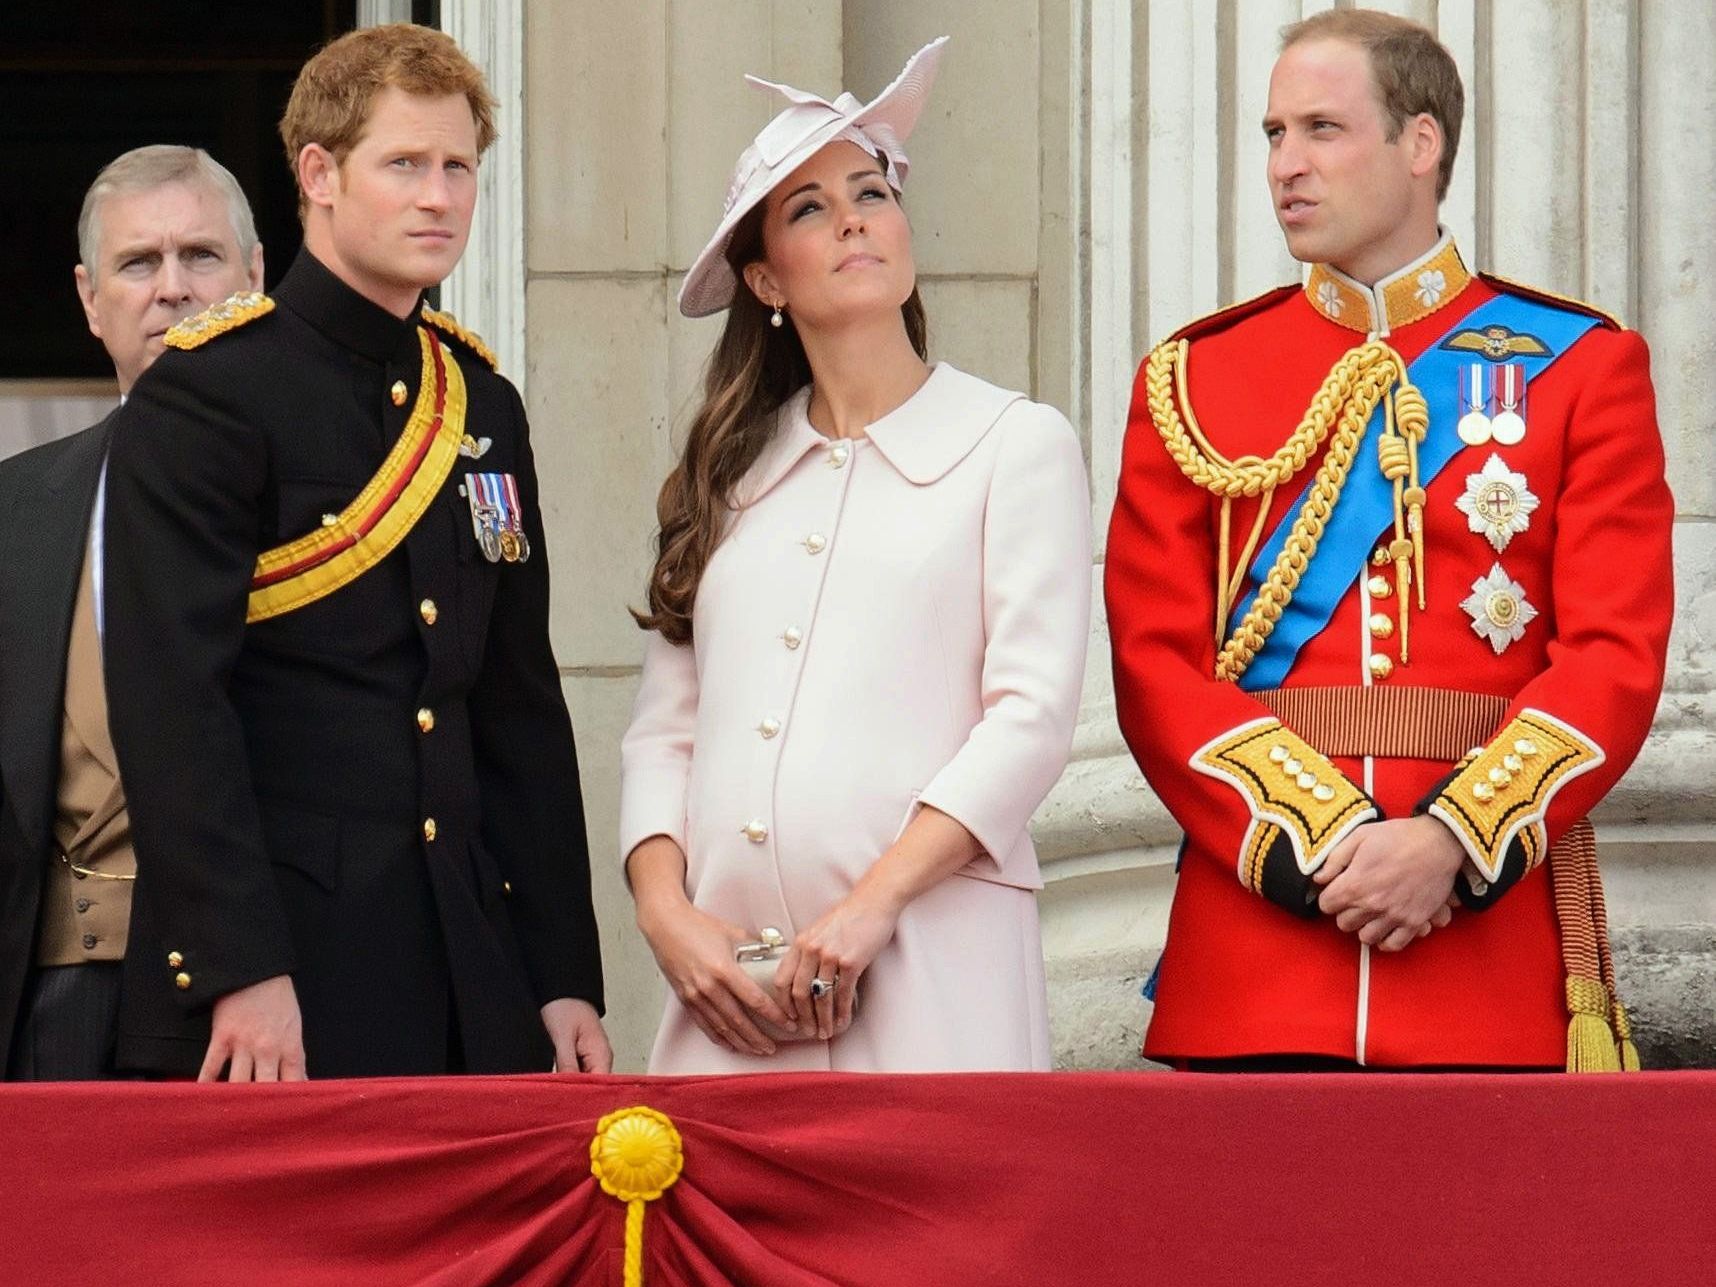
<point>450,325</point>
<point>228,315</point>
<point>1511,287</point>
<point>1223,318</point>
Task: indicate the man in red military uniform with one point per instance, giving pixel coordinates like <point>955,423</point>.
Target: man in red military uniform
<point>1389,591</point>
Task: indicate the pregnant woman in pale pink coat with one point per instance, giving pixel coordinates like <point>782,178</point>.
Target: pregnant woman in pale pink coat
<point>869,614</point>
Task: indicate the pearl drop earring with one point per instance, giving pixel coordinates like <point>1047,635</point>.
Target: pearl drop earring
<point>775,318</point>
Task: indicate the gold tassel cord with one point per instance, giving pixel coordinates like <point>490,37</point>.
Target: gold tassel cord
<point>636,1155</point>
<point>1338,415</point>
<point>1412,415</point>
<point>1395,458</point>
<point>1592,1003</point>
<point>1590,1043</point>
<point>1618,1020</point>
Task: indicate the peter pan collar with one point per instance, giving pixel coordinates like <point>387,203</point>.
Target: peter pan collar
<point>1409,295</point>
<point>922,438</point>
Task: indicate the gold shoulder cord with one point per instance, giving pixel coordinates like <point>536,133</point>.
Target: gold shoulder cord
<point>1343,405</point>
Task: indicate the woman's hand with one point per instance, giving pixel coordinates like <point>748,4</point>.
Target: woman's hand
<point>837,949</point>
<point>694,951</point>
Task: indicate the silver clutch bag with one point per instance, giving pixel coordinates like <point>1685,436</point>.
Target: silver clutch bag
<point>760,960</point>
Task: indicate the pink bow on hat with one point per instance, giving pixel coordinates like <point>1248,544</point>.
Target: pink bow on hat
<point>807,124</point>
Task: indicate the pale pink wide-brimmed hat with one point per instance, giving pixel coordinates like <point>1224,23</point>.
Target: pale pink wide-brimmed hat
<point>807,124</point>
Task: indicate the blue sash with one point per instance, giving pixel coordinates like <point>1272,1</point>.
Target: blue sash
<point>1366,504</point>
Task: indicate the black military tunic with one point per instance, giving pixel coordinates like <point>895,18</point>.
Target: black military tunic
<point>376,793</point>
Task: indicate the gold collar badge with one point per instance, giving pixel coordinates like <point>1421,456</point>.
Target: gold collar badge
<point>1399,299</point>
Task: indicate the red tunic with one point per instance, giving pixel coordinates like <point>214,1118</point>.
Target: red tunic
<point>1240,975</point>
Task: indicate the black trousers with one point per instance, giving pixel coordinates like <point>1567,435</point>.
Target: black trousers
<point>67,1024</point>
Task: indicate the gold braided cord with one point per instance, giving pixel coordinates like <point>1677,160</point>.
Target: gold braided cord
<point>1249,475</point>
<point>1338,415</point>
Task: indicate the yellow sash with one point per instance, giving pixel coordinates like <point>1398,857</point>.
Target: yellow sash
<point>372,526</point>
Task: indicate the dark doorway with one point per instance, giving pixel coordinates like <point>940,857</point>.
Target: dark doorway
<point>86,80</point>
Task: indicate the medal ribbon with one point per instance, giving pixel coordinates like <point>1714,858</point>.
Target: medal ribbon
<point>1366,505</point>
<point>384,512</point>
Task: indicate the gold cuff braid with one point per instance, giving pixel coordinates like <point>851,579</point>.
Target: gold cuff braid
<point>1290,788</point>
<point>1502,792</point>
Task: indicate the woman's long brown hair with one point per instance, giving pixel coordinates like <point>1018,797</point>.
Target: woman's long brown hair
<point>754,370</point>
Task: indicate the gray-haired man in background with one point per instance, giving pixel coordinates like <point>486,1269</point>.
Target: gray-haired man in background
<point>165,232</point>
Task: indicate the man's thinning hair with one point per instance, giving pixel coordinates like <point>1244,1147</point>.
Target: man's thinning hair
<point>1412,70</point>
<point>145,168</point>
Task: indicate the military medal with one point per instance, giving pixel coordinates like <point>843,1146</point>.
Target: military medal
<point>1475,386</point>
<point>1509,422</point>
<point>474,448</point>
<point>1497,503</point>
<point>497,517</point>
<point>1498,609</point>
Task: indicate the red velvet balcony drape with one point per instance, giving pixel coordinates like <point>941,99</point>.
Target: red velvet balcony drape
<point>794,1181</point>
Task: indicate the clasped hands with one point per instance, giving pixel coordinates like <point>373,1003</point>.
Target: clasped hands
<point>1391,882</point>
<point>696,953</point>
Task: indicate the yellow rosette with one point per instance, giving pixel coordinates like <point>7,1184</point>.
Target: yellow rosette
<point>636,1156</point>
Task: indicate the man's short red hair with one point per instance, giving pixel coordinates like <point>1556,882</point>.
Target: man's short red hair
<point>334,93</point>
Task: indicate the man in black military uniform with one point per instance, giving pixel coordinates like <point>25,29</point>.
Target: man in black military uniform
<point>351,772</point>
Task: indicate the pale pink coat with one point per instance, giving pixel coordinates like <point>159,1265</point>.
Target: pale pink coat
<point>888,621</point>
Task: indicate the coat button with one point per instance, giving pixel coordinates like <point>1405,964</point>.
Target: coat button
<point>1380,587</point>
<point>1381,625</point>
<point>755,831</point>
<point>506,888</point>
<point>398,392</point>
<point>175,960</point>
<point>793,637</point>
<point>83,904</point>
<point>429,829</point>
<point>182,982</point>
<point>89,941</point>
<point>428,611</point>
<point>1381,666</point>
<point>769,727</point>
<point>838,454</point>
<point>425,719</point>
<point>816,542</point>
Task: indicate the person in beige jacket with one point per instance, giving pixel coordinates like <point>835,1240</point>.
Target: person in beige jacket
<point>869,616</point>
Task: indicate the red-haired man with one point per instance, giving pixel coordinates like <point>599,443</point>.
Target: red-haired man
<point>350,766</point>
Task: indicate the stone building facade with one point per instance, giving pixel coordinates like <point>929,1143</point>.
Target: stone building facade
<point>1089,175</point>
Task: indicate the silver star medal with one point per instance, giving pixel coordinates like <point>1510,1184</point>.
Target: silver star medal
<point>1498,609</point>
<point>1497,503</point>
